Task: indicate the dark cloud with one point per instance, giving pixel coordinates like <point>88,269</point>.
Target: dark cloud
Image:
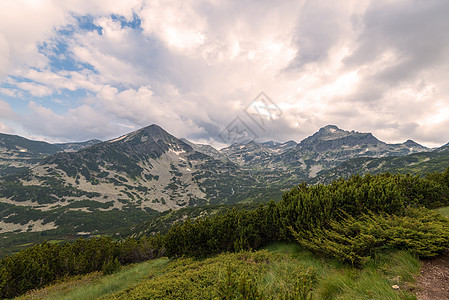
<point>320,26</point>
<point>412,32</point>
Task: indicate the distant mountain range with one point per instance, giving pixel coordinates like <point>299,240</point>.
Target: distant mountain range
<point>99,187</point>
<point>325,149</point>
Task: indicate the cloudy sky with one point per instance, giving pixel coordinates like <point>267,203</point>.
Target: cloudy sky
<point>76,70</point>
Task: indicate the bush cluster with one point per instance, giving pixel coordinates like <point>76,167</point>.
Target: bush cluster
<point>230,232</point>
<point>44,263</point>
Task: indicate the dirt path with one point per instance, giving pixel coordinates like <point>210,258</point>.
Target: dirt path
<point>433,283</point>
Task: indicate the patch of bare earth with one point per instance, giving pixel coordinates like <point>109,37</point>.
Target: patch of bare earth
<point>433,282</point>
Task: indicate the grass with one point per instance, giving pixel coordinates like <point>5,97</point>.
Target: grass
<point>272,272</point>
<point>373,281</point>
<point>94,285</point>
<point>443,210</point>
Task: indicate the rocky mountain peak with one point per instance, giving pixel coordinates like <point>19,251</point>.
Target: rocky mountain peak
<point>150,138</point>
<point>331,137</point>
<point>411,143</point>
<point>329,128</point>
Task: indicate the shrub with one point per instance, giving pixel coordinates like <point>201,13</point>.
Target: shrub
<point>355,240</point>
<point>111,266</point>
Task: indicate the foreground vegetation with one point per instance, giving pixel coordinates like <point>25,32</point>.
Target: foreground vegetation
<point>354,221</point>
<point>282,271</point>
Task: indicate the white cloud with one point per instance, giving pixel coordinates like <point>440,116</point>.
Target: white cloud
<point>11,92</point>
<point>6,111</point>
<point>79,123</point>
<point>193,66</point>
<point>34,89</point>
<point>177,24</point>
<point>6,129</point>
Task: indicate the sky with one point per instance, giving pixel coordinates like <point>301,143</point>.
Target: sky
<point>216,71</point>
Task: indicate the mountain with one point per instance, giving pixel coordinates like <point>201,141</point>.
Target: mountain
<point>18,153</point>
<point>416,163</point>
<point>331,139</point>
<point>120,182</point>
<point>252,155</point>
<point>205,149</point>
<point>331,146</point>
<point>324,150</point>
<point>442,148</point>
<point>26,146</point>
<point>75,146</point>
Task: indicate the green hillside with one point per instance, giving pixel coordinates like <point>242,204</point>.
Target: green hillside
<point>357,222</point>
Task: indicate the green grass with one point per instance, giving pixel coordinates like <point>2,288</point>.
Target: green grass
<point>94,285</point>
<point>272,272</point>
<point>443,210</point>
<point>373,281</point>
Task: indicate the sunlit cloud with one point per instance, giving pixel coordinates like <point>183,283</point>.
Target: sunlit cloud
<point>97,69</point>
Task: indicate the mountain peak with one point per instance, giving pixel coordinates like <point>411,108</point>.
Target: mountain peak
<point>331,137</point>
<point>330,128</point>
<point>154,130</point>
<point>152,127</point>
<point>151,140</point>
<point>330,132</point>
<point>411,143</point>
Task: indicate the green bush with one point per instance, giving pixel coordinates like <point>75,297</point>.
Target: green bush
<point>111,266</point>
<point>355,240</point>
<point>44,263</point>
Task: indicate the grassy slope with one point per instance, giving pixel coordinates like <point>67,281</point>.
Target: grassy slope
<point>273,271</point>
